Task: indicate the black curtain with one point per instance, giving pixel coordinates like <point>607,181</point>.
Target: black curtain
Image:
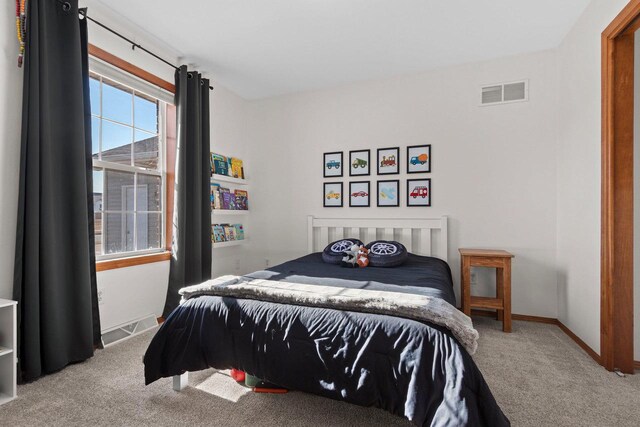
<point>191,243</point>
<point>54,276</point>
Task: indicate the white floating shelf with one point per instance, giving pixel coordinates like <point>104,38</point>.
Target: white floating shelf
<point>224,178</point>
<point>227,244</point>
<point>229,212</point>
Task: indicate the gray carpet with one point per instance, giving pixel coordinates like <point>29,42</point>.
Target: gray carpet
<point>538,375</point>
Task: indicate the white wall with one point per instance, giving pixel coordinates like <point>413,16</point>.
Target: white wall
<point>10,114</point>
<point>494,170</point>
<point>578,184</point>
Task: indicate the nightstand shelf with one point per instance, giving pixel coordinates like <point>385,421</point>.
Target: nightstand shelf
<point>493,258</point>
<point>487,302</point>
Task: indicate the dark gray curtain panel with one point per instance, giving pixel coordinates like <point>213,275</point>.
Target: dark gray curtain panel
<point>54,275</point>
<point>191,243</point>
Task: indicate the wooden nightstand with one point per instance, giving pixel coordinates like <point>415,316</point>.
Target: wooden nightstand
<point>501,261</point>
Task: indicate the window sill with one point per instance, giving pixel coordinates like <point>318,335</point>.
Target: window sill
<point>112,264</point>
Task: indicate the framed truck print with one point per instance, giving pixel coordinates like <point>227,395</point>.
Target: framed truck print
<point>419,192</point>
<point>388,193</point>
<point>419,158</point>
<point>359,194</point>
<point>389,161</point>
<point>332,195</point>
<point>359,162</point>
<point>332,164</point>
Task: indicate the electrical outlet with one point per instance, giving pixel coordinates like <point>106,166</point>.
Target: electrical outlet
<point>473,278</point>
<point>266,262</point>
<point>237,265</point>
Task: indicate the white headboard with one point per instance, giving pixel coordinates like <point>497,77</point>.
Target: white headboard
<point>415,233</point>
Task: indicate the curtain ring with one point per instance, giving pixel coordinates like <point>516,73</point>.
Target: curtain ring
<point>66,6</point>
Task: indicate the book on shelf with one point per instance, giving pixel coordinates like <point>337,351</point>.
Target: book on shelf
<point>224,199</point>
<point>239,231</point>
<point>228,199</point>
<point>219,164</point>
<point>228,166</point>
<point>218,234</point>
<point>215,196</point>
<point>236,168</point>
<point>230,232</point>
<point>221,192</point>
<point>227,232</point>
<point>242,200</point>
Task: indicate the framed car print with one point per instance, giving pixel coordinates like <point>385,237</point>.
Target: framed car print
<point>359,162</point>
<point>332,195</point>
<point>389,161</point>
<point>332,164</point>
<point>359,194</point>
<point>419,192</point>
<point>419,158</point>
<point>388,193</point>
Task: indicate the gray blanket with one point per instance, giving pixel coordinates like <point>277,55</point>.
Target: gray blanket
<point>410,306</point>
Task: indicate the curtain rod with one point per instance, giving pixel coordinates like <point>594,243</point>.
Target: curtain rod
<point>66,6</point>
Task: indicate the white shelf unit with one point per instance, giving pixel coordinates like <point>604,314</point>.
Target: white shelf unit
<point>8,346</point>
<point>219,245</point>
<point>231,180</point>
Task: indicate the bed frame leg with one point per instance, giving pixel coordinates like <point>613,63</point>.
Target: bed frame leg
<point>180,381</point>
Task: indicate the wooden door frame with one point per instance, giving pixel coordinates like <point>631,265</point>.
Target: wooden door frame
<point>616,264</point>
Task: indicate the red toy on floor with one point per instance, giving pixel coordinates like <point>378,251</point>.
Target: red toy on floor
<point>257,385</point>
<point>238,375</point>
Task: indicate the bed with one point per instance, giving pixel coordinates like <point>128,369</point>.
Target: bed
<point>415,369</point>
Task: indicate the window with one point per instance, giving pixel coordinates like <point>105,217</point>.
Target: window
<point>128,168</point>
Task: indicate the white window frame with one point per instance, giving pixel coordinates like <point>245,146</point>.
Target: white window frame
<point>114,74</point>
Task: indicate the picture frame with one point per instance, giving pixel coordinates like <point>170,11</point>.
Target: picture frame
<point>388,161</point>
<point>359,194</point>
<point>419,158</point>
<point>388,193</point>
<point>360,163</point>
<point>419,192</point>
<point>332,195</point>
<point>332,165</point>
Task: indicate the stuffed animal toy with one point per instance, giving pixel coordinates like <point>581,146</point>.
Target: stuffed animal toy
<point>351,257</point>
<point>356,256</point>
<point>363,257</point>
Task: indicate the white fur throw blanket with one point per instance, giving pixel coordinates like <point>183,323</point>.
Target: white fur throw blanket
<point>411,306</point>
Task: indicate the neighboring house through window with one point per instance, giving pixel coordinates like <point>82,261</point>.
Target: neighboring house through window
<point>128,133</point>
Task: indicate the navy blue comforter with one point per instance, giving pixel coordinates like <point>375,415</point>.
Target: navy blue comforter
<point>412,369</point>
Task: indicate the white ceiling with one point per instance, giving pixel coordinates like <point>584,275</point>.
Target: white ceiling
<point>262,48</point>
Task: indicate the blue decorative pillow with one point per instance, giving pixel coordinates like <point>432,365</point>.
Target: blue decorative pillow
<point>334,252</point>
<point>383,253</point>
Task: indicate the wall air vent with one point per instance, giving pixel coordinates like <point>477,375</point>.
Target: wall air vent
<point>122,332</point>
<point>505,93</point>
